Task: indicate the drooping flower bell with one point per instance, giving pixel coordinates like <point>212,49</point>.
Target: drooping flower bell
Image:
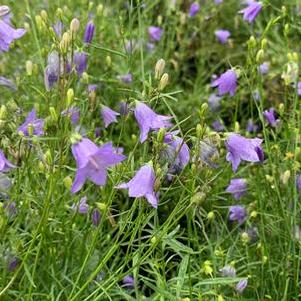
<point>241,148</point>
<point>270,116</point>
<point>73,113</point>
<point>126,78</point>
<point>222,35</point>
<point>5,165</point>
<point>237,213</point>
<point>108,115</point>
<point>89,32</point>
<point>93,161</point>
<point>251,11</point>
<point>226,83</point>
<point>241,285</point>
<point>194,9</point>
<point>238,188</point>
<point>52,70</point>
<point>7,33</point>
<point>82,207</point>
<point>264,68</point>
<point>155,33</point>
<point>142,185</point>
<point>148,120</point>
<point>32,125</point>
<point>7,83</point>
<point>80,61</point>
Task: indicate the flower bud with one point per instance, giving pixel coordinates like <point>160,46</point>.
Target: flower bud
<point>154,240</point>
<point>85,77</point>
<point>64,44</point>
<point>260,56</point>
<point>285,177</point>
<point>39,21</point>
<point>67,182</point>
<point>264,43</point>
<point>163,81</point>
<point>253,214</point>
<point>220,298</point>
<point>70,96</point>
<point>44,15</point>
<point>199,130</point>
<point>53,114</point>
<point>236,127</point>
<point>99,10</point>
<point>29,68</point>
<point>59,13</point>
<point>203,110</point>
<point>74,26</point>
<point>210,215</point>
<point>245,237</point>
<point>108,60</point>
<point>159,68</point>
<point>160,135</point>
<point>102,206</point>
<point>198,198</point>
<point>252,42</point>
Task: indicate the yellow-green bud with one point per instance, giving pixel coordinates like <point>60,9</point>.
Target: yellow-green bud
<point>163,81</point>
<point>108,60</point>
<point>286,29</point>
<point>154,240</point>
<point>3,112</point>
<point>70,96</point>
<point>210,215</point>
<point>220,298</point>
<point>91,4</point>
<point>199,130</point>
<point>102,206</point>
<point>85,77</point>
<point>253,214</point>
<point>53,114</point>
<point>160,135</point>
<point>44,15</point>
<point>286,176</point>
<point>264,43</point>
<point>198,198</point>
<point>159,19</point>
<point>39,22</point>
<point>29,68</point>
<point>252,42</point>
<point>236,127</point>
<point>74,26</point>
<point>99,10</point>
<point>67,182</point>
<point>260,56</point>
<point>48,157</point>
<point>185,299</point>
<point>159,68</point>
<point>245,237</point>
<point>203,110</point>
<point>64,44</point>
<point>207,269</point>
<point>26,26</point>
<point>59,12</point>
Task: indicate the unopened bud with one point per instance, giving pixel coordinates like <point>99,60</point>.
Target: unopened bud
<point>154,240</point>
<point>220,298</point>
<point>29,68</point>
<point>285,177</point>
<point>253,214</point>
<point>44,15</point>
<point>203,110</point>
<point>53,114</point>
<point>102,206</point>
<point>199,130</point>
<point>64,44</point>
<point>70,96</point>
<point>59,13</point>
<point>163,81</point>
<point>108,60</point>
<point>99,10</point>
<point>236,127</point>
<point>74,26</point>
<point>85,77</point>
<point>210,215</point>
<point>159,68</point>
<point>260,56</point>
<point>48,157</point>
<point>67,182</point>
<point>160,135</point>
<point>286,29</point>
<point>264,43</point>
<point>198,198</point>
<point>252,42</point>
<point>245,237</point>
<point>39,22</point>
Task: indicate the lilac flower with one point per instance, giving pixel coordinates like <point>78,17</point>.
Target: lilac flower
<point>251,11</point>
<point>32,121</point>
<point>96,217</point>
<point>241,285</point>
<point>299,88</point>
<point>7,83</point>
<point>73,114</point>
<point>155,33</point>
<point>82,207</point>
<point>218,126</point>
<point>126,78</point>
<point>123,108</point>
<point>5,165</point>
<point>92,88</point>
<point>226,83</point>
<point>218,1</point>
<point>214,102</point>
<point>13,264</point>
<point>92,162</point>
<point>228,271</point>
<point>5,14</point>
<point>148,120</point>
<point>270,117</point>
<point>194,9</point>
<point>97,132</point>
<point>264,68</point>
<point>238,188</point>
<point>237,213</point>
<point>142,185</point>
<point>108,115</point>
<point>252,127</point>
<point>177,151</point>
<point>222,35</point>
<point>8,34</point>
<point>129,281</point>
<point>298,183</point>
<point>58,28</point>
<point>80,60</point>
<point>241,148</point>
<point>89,32</point>
<point>52,70</point>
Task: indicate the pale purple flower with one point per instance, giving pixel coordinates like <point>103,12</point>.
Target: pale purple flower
<point>80,60</point>
<point>155,33</point>
<point>251,11</point>
<point>82,207</point>
<point>241,285</point>
<point>32,121</point>
<point>177,151</point>
<point>7,83</point>
<point>108,115</point>
<point>8,34</point>
<point>238,188</point>
<point>298,183</point>
<point>97,132</point>
<point>228,271</point>
<point>252,127</point>
<point>237,213</point>
<point>214,102</point>
<point>92,162</point>
<point>142,185</point>
<point>148,120</point>
<point>96,217</point>
<point>194,9</point>
<point>222,35</point>
<point>123,108</point>
<point>126,78</point>
<point>58,28</point>
<point>92,88</point>
<point>299,88</point>
<point>218,126</point>
<point>264,68</point>
<point>89,32</point>
<point>13,264</point>
<point>5,165</point>
<point>226,83</point>
<point>52,70</point>
<point>5,14</point>
<point>73,114</point>
<point>218,1</point>
<point>128,281</point>
<point>241,148</point>
<point>270,117</point>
